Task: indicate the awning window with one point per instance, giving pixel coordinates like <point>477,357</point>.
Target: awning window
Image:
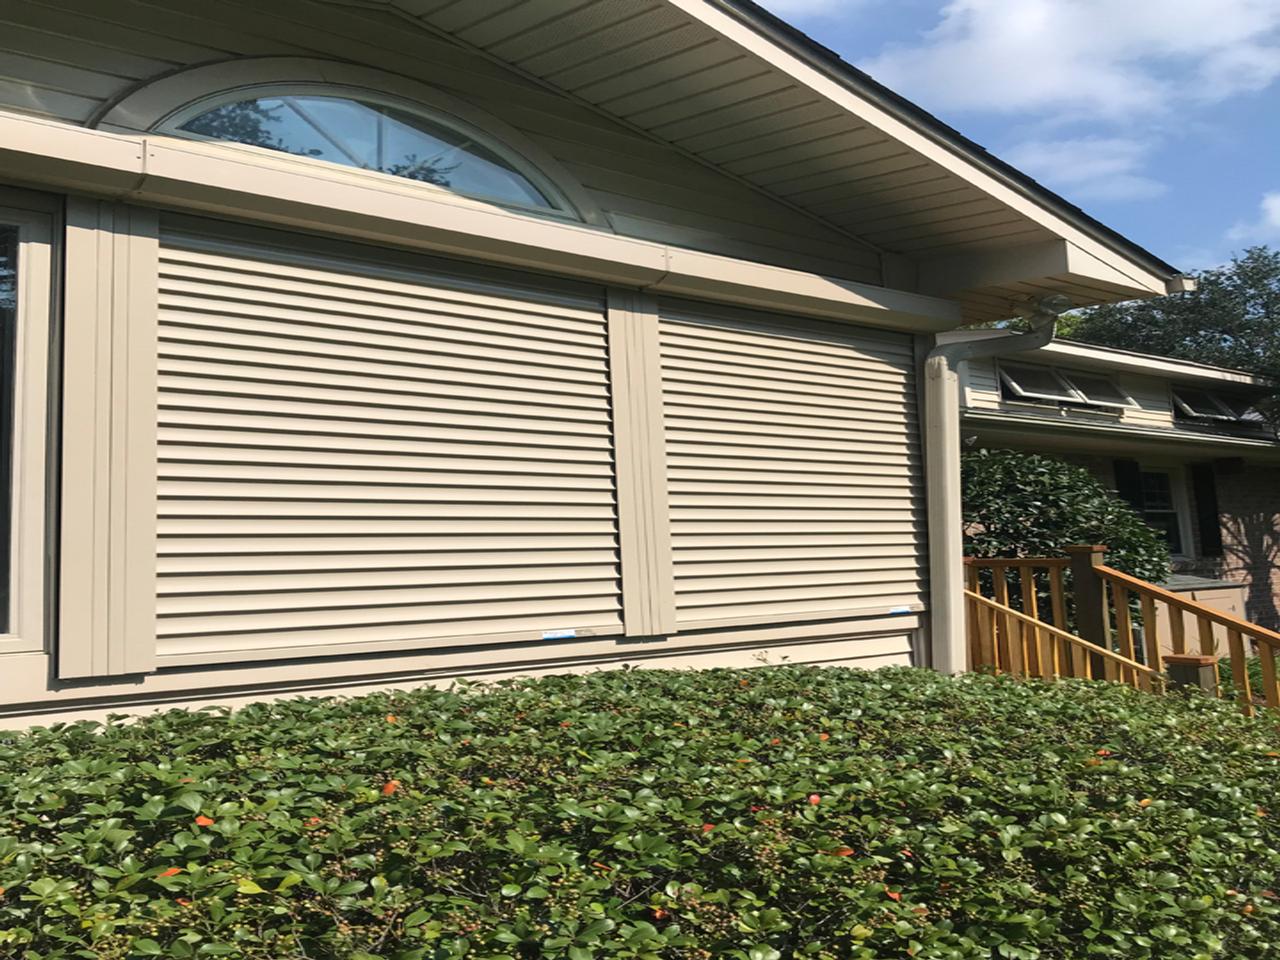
<point>1205,405</point>
<point>1037,383</point>
<point>1098,390</point>
<point>1061,386</point>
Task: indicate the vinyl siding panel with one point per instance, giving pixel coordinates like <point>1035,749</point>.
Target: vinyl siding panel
<point>793,468</point>
<point>981,385</point>
<point>370,456</point>
<point>67,58</point>
<point>1153,398</point>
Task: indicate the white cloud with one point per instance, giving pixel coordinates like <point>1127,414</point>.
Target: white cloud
<point>1264,228</point>
<point>1096,58</point>
<point>806,8</point>
<point>1089,168</point>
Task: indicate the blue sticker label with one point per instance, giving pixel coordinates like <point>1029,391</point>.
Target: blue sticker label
<point>559,634</point>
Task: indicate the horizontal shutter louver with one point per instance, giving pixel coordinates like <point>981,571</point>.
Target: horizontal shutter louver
<point>359,456</point>
<point>794,469</point>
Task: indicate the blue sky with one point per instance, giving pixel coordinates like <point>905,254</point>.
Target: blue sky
<point>1159,117</point>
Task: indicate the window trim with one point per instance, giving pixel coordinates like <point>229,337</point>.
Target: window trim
<point>38,221</point>
<point>149,107</point>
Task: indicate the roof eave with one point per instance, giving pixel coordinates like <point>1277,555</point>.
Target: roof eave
<point>820,57</point>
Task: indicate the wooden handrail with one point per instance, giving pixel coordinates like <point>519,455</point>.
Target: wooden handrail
<point>1117,619</point>
<point>1269,637</point>
<point>1018,562</point>
<point>1138,669</point>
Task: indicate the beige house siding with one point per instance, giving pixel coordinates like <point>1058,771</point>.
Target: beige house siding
<point>377,468</point>
<point>67,59</point>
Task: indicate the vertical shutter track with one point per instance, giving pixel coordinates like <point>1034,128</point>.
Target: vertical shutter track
<point>793,468</point>
<point>351,456</point>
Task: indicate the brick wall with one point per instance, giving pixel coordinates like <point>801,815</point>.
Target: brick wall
<point>1249,506</point>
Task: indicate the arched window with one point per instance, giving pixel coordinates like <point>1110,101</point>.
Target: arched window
<point>358,128</point>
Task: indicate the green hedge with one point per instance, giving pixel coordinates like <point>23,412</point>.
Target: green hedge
<point>780,812</point>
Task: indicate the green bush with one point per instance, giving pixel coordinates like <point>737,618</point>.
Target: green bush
<point>1027,505</point>
<point>780,812</point>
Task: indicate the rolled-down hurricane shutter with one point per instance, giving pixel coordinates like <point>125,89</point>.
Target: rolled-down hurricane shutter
<point>793,467</point>
<point>360,457</point>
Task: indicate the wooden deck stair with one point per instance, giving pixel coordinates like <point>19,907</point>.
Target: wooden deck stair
<point>1074,616</point>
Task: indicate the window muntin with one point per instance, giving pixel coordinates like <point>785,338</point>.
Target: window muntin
<point>365,132</point>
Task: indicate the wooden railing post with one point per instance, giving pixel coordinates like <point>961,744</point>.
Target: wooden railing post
<point>1092,620</point>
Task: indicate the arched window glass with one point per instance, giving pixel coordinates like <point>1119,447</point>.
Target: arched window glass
<point>362,133</point>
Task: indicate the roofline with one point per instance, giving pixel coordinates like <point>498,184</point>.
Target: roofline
<point>1208,371</point>
<point>863,84</point>
<point>1128,359</point>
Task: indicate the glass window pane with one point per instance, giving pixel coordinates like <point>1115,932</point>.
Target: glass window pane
<point>1097,389</point>
<point>1199,403</point>
<point>1038,382</point>
<point>1242,408</point>
<point>1168,526</point>
<point>8,326</point>
<point>1157,491</point>
<point>373,137</point>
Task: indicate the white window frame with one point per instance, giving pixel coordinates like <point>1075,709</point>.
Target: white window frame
<point>1008,378</point>
<point>1181,502</point>
<point>1063,377</point>
<point>1127,402</point>
<point>37,218</point>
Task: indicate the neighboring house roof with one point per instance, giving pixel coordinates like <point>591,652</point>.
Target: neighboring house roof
<point>734,87</point>
<point>1092,356</point>
<point>1105,430</point>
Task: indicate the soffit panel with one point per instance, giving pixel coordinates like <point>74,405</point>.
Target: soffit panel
<point>665,72</point>
<point>661,71</point>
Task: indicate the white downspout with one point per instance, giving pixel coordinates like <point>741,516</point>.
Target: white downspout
<point>942,474</point>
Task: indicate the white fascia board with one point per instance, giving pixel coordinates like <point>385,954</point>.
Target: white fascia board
<point>1092,357</point>
<point>1087,356</point>
<point>804,72</point>
<point>256,185</point>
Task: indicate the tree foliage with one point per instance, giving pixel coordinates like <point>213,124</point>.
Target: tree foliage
<point>1028,505</point>
<point>763,814</point>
